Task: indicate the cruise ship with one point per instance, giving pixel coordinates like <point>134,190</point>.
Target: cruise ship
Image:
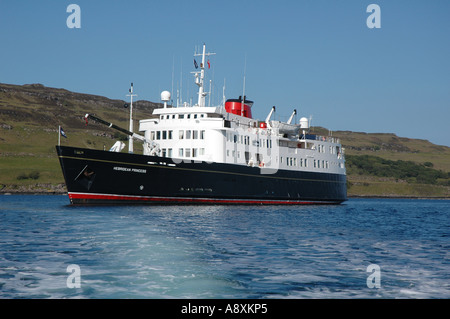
<point>198,154</point>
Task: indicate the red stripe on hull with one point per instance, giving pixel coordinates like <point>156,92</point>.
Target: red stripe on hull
<point>86,198</point>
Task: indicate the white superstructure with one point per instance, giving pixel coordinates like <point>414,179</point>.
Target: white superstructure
<point>228,134</point>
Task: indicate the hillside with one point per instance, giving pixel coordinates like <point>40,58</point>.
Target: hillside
<point>29,120</point>
<point>383,164</point>
<point>30,115</point>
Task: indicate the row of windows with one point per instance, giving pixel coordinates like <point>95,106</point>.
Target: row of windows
<point>181,116</point>
<point>243,139</point>
<point>183,152</point>
<point>333,150</point>
<point>182,134</point>
<point>293,161</point>
<point>289,161</point>
<point>267,143</point>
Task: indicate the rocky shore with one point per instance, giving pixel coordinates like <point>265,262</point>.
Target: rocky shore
<point>34,189</point>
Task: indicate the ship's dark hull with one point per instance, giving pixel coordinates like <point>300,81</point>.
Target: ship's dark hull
<point>102,177</point>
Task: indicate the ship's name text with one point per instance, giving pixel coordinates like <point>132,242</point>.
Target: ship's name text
<point>127,169</point>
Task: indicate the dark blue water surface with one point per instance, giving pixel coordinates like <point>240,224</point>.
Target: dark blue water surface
<point>224,251</point>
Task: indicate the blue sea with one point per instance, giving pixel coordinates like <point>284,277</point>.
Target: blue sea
<point>363,248</point>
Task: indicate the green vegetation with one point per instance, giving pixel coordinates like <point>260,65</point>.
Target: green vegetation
<point>33,175</point>
<point>401,173</point>
<point>29,119</point>
<point>405,170</point>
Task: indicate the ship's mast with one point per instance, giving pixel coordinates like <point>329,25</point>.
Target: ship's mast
<point>130,138</point>
<point>199,79</point>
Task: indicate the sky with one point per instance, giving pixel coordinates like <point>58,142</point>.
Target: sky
<point>316,56</point>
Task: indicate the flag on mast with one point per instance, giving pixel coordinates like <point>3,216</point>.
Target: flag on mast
<point>209,65</point>
<point>195,64</point>
<point>61,131</point>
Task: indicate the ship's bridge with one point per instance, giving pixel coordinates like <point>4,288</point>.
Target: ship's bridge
<point>186,132</point>
<point>182,116</point>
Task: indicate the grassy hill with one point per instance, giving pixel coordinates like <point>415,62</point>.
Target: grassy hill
<point>29,120</point>
<point>383,164</point>
<point>377,164</point>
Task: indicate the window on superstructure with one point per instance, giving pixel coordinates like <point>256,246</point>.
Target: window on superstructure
<point>247,156</point>
<point>170,134</point>
<point>194,152</point>
<point>202,135</point>
<point>188,152</point>
<point>188,134</point>
<point>181,116</point>
<point>158,135</point>
<point>162,117</point>
<point>164,135</point>
<point>195,135</point>
<point>235,138</point>
<point>180,152</point>
<point>259,158</point>
<point>201,152</point>
<point>169,152</point>
<point>195,116</point>
<point>173,116</point>
<point>180,134</point>
<point>167,117</point>
<point>152,135</point>
<point>163,151</point>
<point>189,116</point>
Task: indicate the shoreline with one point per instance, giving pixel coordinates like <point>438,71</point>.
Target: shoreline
<point>64,193</point>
